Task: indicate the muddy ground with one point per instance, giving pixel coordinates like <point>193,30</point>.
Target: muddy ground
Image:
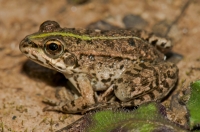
<point>24,84</point>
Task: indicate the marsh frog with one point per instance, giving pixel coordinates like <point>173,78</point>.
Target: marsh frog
<point>121,67</point>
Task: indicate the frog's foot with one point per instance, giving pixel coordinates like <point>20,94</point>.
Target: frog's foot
<point>61,106</point>
<point>52,108</point>
<point>163,44</point>
<point>75,106</point>
<point>102,106</point>
<point>53,105</point>
<point>64,94</point>
<point>78,106</point>
<point>50,102</point>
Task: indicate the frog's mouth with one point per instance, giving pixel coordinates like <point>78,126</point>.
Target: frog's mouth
<point>33,52</point>
<point>36,53</point>
<point>40,58</point>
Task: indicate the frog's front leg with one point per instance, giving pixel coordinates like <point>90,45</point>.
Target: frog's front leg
<point>82,84</point>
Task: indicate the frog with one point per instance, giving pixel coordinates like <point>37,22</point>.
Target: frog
<point>118,68</point>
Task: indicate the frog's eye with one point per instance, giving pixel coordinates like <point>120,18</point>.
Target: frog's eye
<point>53,48</point>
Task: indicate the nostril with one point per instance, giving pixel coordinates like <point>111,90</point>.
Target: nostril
<point>24,44</point>
<point>27,41</point>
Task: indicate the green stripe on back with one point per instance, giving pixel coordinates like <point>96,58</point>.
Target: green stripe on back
<point>83,37</point>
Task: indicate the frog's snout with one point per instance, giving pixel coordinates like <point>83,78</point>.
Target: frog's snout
<point>26,43</point>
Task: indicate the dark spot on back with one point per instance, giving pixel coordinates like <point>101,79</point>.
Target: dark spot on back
<point>120,80</point>
<point>89,42</point>
<point>131,42</point>
<point>78,41</point>
<point>143,65</point>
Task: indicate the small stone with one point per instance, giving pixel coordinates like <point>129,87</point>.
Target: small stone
<point>102,25</point>
<point>134,21</point>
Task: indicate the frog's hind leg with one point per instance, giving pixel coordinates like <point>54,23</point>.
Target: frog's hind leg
<point>146,82</point>
<point>105,95</point>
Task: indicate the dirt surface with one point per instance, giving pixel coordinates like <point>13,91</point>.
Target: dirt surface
<point>24,84</point>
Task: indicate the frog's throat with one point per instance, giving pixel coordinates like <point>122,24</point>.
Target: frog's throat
<point>83,37</point>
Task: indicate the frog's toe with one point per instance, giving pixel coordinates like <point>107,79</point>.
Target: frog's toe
<point>50,102</point>
<point>53,108</point>
<point>64,94</point>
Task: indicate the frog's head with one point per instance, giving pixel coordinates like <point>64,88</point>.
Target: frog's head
<point>47,48</point>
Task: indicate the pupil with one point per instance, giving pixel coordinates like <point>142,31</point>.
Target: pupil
<point>53,46</point>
